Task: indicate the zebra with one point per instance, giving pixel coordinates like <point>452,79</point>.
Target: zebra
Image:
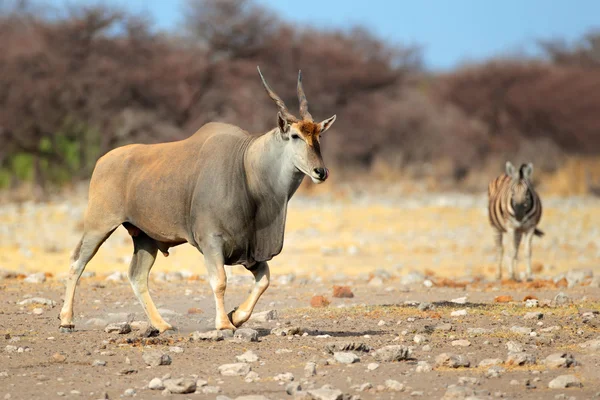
<point>516,209</point>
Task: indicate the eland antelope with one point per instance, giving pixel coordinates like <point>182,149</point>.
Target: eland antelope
<point>222,190</point>
<point>515,209</point>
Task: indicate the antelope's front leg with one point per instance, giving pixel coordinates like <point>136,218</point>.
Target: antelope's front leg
<point>262,278</point>
<point>218,282</point>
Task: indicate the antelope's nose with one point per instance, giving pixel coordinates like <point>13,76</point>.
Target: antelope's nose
<point>321,173</point>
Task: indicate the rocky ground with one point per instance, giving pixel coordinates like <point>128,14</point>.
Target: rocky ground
<point>383,337</point>
<point>373,297</point>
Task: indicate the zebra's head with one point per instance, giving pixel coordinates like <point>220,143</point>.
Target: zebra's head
<point>521,197</point>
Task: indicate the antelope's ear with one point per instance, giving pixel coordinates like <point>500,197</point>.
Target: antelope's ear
<point>326,124</point>
<point>526,171</point>
<point>511,170</point>
<point>283,124</point>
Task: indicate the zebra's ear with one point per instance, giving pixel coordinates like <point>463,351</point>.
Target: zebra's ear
<point>511,170</point>
<point>526,171</point>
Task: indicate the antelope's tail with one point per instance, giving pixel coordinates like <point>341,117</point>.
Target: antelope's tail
<point>537,232</point>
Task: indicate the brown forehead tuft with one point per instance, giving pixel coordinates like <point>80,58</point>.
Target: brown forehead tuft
<point>309,128</point>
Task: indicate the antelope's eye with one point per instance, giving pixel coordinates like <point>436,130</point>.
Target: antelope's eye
<point>294,136</point>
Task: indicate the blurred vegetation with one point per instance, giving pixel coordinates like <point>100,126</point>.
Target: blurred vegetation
<point>80,81</point>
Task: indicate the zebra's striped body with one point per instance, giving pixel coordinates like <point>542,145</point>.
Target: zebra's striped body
<point>515,209</point>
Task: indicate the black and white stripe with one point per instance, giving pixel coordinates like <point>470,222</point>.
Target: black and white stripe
<point>516,209</point>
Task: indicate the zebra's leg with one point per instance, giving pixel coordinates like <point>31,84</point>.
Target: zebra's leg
<point>499,253</point>
<point>515,237</point>
<point>528,238</point>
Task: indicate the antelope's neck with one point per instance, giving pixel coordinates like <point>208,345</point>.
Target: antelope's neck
<point>270,172</point>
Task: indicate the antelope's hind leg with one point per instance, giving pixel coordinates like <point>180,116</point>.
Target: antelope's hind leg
<point>83,253</point>
<point>244,311</point>
<point>144,255</point>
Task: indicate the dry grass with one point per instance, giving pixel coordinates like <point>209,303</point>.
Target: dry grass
<point>330,233</point>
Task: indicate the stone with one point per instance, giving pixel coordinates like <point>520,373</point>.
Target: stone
<point>156,384</point>
<point>213,336</point>
<point>310,369</point>
<point>37,311</point>
<point>420,339</point>
<point>319,301</point>
<point>532,303</point>
<point>559,360</point>
<point>459,300</point>
<point>394,385</point>
<point>265,316</point>
<point>98,363</point>
<point>246,335</point>
<point>468,380</point>
<point>251,377</point>
<point>578,276</point>
<point>479,331</point>
<point>129,392</point>
<point>451,360</point>
<point>591,344</point>
<point>461,343</point>
<point>423,366</point>
<point>533,315</point>
<point>425,306</point>
<point>116,276</point>
<point>372,366</point>
<point>176,349</point>
<point>248,356</point>
<point>521,330</point>
<point>495,371</point>
<point>561,299</point>
<point>455,392</point>
<point>458,313</point>
<point>180,385</point>
<point>293,387</point>
<point>412,278</point>
<point>252,397</point>
<point>342,292</point>
<point>520,358</point>
<point>514,347</point>
<point>59,358</point>
<point>347,346</point>
<point>446,327</point>
<point>211,389</point>
<point>156,358</point>
<point>346,357</point>
<point>376,281</point>
<point>392,353</point>
<point>285,377</point>
<point>150,332</point>
<point>38,277</point>
<point>235,369</point>
<point>565,381</point>
<point>488,362</point>
<point>120,328</point>
<point>326,394</point>
<point>286,331</point>
<point>503,299</point>
<point>37,300</point>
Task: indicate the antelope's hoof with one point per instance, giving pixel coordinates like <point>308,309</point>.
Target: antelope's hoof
<point>225,326</point>
<point>163,328</point>
<point>66,328</point>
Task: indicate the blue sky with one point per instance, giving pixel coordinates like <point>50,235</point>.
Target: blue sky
<point>450,31</point>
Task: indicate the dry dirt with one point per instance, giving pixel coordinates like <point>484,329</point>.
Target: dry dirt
<point>371,245</point>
